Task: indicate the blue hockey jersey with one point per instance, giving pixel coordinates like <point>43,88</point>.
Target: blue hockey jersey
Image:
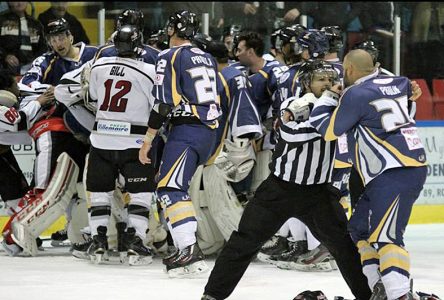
<point>50,67</point>
<point>186,79</point>
<point>383,134</point>
<point>148,55</point>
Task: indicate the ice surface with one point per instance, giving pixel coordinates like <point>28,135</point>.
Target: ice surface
<point>55,275</point>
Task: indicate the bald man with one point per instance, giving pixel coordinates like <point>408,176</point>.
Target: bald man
<point>390,159</point>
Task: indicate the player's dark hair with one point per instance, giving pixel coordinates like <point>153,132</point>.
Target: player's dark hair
<point>7,78</point>
<point>254,41</point>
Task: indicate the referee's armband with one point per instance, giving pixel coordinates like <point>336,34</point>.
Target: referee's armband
<point>158,115</point>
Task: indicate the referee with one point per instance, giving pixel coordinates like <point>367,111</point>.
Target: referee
<point>298,186</point>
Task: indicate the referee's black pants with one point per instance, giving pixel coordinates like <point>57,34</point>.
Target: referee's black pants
<point>274,203</point>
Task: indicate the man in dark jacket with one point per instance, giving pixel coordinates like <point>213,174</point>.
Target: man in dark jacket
<point>21,38</point>
<point>59,10</point>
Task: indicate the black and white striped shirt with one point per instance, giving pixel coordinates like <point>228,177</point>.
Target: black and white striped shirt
<point>302,156</point>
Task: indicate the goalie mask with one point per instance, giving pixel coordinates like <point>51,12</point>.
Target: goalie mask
<point>128,40</point>
<point>184,24</point>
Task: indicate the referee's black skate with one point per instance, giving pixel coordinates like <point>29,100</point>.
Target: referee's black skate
<point>187,262</point>
<point>138,253</point>
<point>99,247</point>
<point>317,260</point>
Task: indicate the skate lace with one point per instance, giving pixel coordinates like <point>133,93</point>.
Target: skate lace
<point>271,243</point>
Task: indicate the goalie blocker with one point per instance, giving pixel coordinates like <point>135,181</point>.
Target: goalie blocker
<point>237,159</point>
<point>38,215</point>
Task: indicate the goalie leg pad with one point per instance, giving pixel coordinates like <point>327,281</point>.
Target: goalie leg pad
<point>222,202</point>
<point>46,209</point>
<point>209,237</point>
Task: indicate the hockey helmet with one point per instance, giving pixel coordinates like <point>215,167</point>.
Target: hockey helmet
<point>56,27</point>
<point>334,35</point>
<point>370,47</point>
<point>131,17</point>
<point>202,41</point>
<point>128,40</point>
<point>159,39</point>
<point>316,66</point>
<point>315,41</point>
<point>289,34</point>
<point>311,295</point>
<point>184,23</point>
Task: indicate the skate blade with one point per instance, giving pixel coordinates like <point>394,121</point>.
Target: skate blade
<point>138,260</point>
<point>80,254</point>
<point>318,267</point>
<point>263,258</point>
<point>65,243</point>
<point>99,258</point>
<point>191,271</point>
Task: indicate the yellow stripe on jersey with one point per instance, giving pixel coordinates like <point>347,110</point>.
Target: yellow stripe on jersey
<point>100,52</point>
<point>366,251</point>
<point>329,134</point>
<point>406,161</point>
<point>339,164</point>
<point>263,73</point>
<point>295,79</point>
<point>392,255</point>
<point>179,211</point>
<point>49,68</point>
<point>374,237</point>
<point>164,181</point>
<point>176,96</point>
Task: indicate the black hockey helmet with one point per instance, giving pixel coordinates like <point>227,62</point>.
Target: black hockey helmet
<point>202,41</point>
<point>56,27</point>
<point>316,66</point>
<point>334,35</point>
<point>130,17</point>
<point>159,39</point>
<point>128,40</point>
<point>290,34</point>
<point>311,295</point>
<point>315,41</point>
<point>370,47</point>
<point>184,23</point>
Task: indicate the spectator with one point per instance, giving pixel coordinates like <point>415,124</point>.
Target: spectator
<point>59,10</point>
<point>21,38</point>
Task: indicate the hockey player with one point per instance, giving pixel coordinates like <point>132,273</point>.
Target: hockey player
<point>46,125</point>
<point>14,185</point>
<point>122,88</point>
<point>186,93</point>
<point>228,181</point>
<point>133,17</point>
<point>384,133</point>
<point>297,187</point>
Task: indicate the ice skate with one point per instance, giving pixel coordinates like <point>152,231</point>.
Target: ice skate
<point>138,253</point>
<point>99,246</point>
<point>275,246</point>
<point>187,262</point>
<point>378,292</point>
<point>60,239</point>
<point>282,260</point>
<point>80,250</point>
<point>317,260</point>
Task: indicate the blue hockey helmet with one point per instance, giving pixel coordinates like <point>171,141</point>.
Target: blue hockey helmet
<point>315,41</point>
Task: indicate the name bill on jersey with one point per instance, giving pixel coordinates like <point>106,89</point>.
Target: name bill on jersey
<point>114,127</point>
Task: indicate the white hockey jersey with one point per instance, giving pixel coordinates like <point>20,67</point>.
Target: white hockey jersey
<point>122,88</point>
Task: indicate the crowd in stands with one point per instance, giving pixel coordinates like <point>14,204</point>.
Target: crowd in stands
<point>422,26</point>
